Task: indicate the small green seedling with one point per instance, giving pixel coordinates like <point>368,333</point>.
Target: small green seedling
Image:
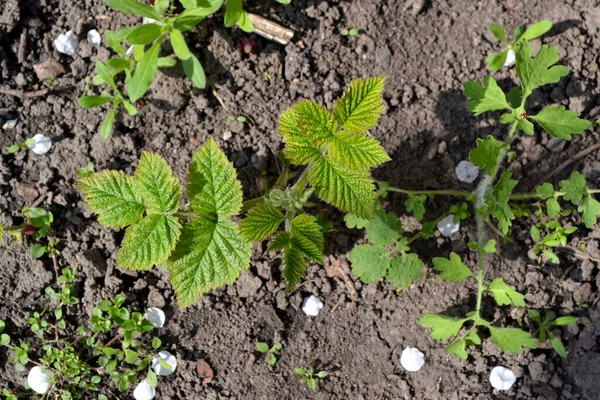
<point>19,146</point>
<point>496,61</point>
<point>270,352</point>
<point>558,237</point>
<point>310,375</point>
<point>544,327</point>
<point>239,118</point>
<point>88,170</point>
<point>38,227</point>
<point>350,32</point>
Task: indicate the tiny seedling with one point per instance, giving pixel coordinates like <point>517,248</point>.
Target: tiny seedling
<point>19,146</point>
<point>544,327</point>
<point>270,352</point>
<point>350,32</point>
<point>37,226</point>
<point>310,375</point>
<point>88,170</point>
<point>239,118</point>
<point>496,61</point>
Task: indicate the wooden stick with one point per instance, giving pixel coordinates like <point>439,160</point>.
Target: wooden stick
<point>271,30</point>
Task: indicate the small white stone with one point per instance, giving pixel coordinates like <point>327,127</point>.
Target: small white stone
<point>41,145</point>
<point>143,391</point>
<point>129,51</point>
<point>156,316</point>
<point>10,124</point>
<point>312,305</point>
<point>67,43</point>
<point>412,359</point>
<point>466,171</point>
<point>94,38</point>
<point>147,20</point>
<point>502,378</point>
<point>511,59</point>
<point>39,379</point>
<point>447,226</point>
<point>169,359</point>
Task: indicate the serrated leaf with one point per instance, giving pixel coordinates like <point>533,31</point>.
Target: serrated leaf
<point>213,187</point>
<point>384,228</point>
<point>452,269</point>
<point>112,195</point>
<point>488,97</point>
<point>298,147</point>
<point>361,105</point>
<point>148,242</point>
<point>536,30</point>
<point>133,7</point>
<point>261,222</point>
<point>497,31</point>
<point>210,254</point>
<point>505,294</point>
<point>486,154</point>
<point>145,72</point>
<point>369,262</point>
<point>416,205</point>
<point>526,127</point>
<point>293,265</point>
<point>574,187</point>
<point>442,327</point>
<point>347,190</point>
<point>354,222</point>
<point>538,71</point>
<point>155,182</point>
<point>356,152</point>
<point>561,123</point>
<point>404,269</point>
<point>590,207</point>
<point>307,236</point>
<point>280,241</point>
<point>316,123</point>
<point>498,201</point>
<point>512,340</point>
<point>495,61</point>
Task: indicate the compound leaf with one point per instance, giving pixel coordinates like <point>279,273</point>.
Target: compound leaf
<point>369,262</point>
<point>538,71</point>
<point>442,327</point>
<point>261,222</point>
<point>155,182</point>
<point>404,269</point>
<point>512,340</point>
<point>574,187</point>
<point>356,152</point>
<point>361,105</point>
<point>486,154</point>
<point>298,147</point>
<point>505,294</point>
<point>315,122</point>
<point>488,97</point>
<point>384,228</point>
<point>590,208</point>
<point>452,269</point>
<point>112,195</point>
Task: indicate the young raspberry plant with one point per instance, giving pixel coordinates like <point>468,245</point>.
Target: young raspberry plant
<point>37,226</point>
<point>202,246</point>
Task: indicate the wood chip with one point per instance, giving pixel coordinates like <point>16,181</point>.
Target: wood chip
<point>271,30</point>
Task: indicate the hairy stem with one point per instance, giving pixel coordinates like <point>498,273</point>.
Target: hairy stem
<point>457,193</point>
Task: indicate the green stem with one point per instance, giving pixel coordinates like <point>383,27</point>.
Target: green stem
<point>456,193</point>
<point>420,234</point>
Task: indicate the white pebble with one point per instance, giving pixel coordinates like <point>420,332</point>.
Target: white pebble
<point>167,357</point>
<point>412,359</point>
<point>67,43</point>
<point>502,378</point>
<point>511,60</point>
<point>156,316</point>
<point>312,305</point>
<point>10,124</point>
<point>147,20</point>
<point>447,226</point>
<point>39,379</point>
<point>143,391</point>
<point>94,38</point>
<point>466,171</point>
<point>41,145</point>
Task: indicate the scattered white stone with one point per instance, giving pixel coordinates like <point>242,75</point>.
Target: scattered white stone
<point>447,226</point>
<point>511,59</point>
<point>502,378</point>
<point>94,38</point>
<point>143,391</point>
<point>41,145</point>
<point>39,379</point>
<point>412,359</point>
<point>147,20</point>
<point>67,43</point>
<point>10,124</point>
<point>167,357</point>
<point>156,316</point>
<point>466,171</point>
<point>312,305</point>
<point>129,51</point>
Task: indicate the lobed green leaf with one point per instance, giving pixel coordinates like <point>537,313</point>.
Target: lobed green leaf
<point>540,70</point>
<point>486,154</point>
<point>512,340</point>
<point>561,123</point>
<point>155,182</point>
<point>452,269</point>
<point>488,97</point>
<point>404,269</point>
<point>370,262</point>
<point>356,152</point>
<point>505,294</point>
<point>361,105</point>
<point>442,327</point>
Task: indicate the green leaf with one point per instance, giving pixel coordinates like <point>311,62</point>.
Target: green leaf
<point>155,182</point>
<point>536,30</point>
<point>590,208</point>
<point>166,62</point>
<point>261,222</point>
<point>452,269</point>
<point>574,187</point>
<point>518,32</point>
<point>194,71</point>
<point>354,222</point>
<point>552,207</point>
<point>495,61</point>
<point>361,105</point>
<point>540,70</point>
<point>107,124</point>
<point>233,12</point>
<point>369,262</point>
<point>497,31</point>
<point>404,269</point>
<point>130,108</point>
<point>114,42</point>
<point>416,205</point>
<point>145,72</point>
<point>112,195</point>
<point>498,202</point>
<point>545,190</point>
<point>133,7</point>
<point>298,148</point>
<point>4,340</point>
<point>93,101</point>
<point>347,190</point>
<point>515,97</point>
<point>106,75</point>
<point>356,152</point>
<point>37,250</point>
<point>557,345</point>
<point>384,228</point>
<point>144,34</point>
<point>486,154</point>
<point>161,6</point>
<point>561,123</point>
<point>526,127</point>
<point>118,63</point>
<point>315,122</point>
<point>568,320</point>
<point>512,340</point>
<point>262,347</point>
<point>458,348</point>
<point>152,379</point>
<point>505,294</point>
<point>307,236</point>
<point>210,254</point>
<point>488,97</point>
<point>179,46</point>
<point>148,242</point>
<point>245,23</point>
<point>293,266</point>
<point>442,327</point>
<point>490,246</point>
<point>187,20</point>
<point>213,188</point>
